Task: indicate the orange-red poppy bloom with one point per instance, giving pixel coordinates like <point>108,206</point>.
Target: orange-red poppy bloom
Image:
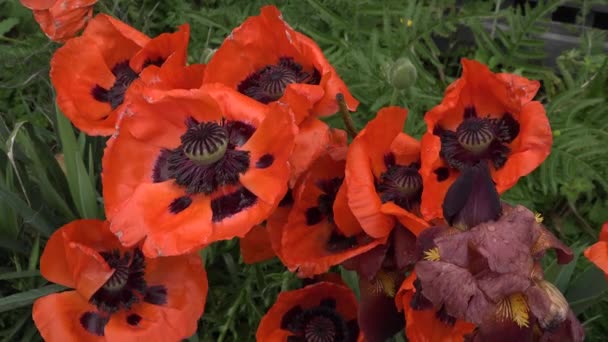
<point>255,246</point>
<point>321,231</point>
<point>120,295</point>
<point>195,166</point>
<point>61,20</point>
<point>320,312</point>
<point>92,73</point>
<point>425,323</point>
<point>598,252</point>
<point>483,118</point>
<point>267,60</point>
<point>382,175</point>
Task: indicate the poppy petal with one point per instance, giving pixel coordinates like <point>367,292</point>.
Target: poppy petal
<point>312,139</point>
<point>38,4</point>
<point>598,255</point>
<point>147,215</point>
<point>255,246</point>
<point>72,256</point>
<point>273,137</point>
<point>58,317</point>
<point>161,47</point>
<point>529,149</point>
<point>412,222</point>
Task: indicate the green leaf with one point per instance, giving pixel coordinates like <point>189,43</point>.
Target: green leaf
<point>26,298</point>
<point>79,181</point>
<point>586,289</point>
<point>29,215</point>
<point>351,279</point>
<point>7,24</point>
<point>20,274</point>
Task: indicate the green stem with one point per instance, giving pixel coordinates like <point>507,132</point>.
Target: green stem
<point>394,97</point>
<point>346,117</point>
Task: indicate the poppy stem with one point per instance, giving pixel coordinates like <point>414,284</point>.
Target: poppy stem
<point>346,118</point>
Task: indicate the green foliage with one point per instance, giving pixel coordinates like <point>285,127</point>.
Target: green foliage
<point>49,173</point>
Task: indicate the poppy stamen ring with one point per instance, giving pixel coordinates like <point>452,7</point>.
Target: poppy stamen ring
<point>205,143</point>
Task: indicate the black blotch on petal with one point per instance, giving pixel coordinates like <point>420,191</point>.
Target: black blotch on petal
<point>389,159</point>
<point>100,94</point>
<point>231,204</point>
<point>133,319</point>
<point>156,294</point>
<point>470,112</point>
<point>287,199</point>
<point>444,317</point>
<point>442,173</point>
<point>313,216</point>
<point>158,62</point>
<point>180,204</point>
<point>265,161</point>
<point>94,322</point>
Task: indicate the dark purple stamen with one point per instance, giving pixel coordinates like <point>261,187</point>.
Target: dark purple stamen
<point>119,292</point>
<point>207,158</point>
<point>228,205</point>
<point>477,139</point>
<point>94,323</point>
<point>268,84</point>
<point>319,324</point>
<point>156,294</point>
<point>180,204</point>
<point>264,161</point>
<point>116,94</point>
<point>401,185</point>
<point>133,319</point>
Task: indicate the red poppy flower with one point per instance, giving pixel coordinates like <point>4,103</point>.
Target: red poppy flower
<point>321,231</point>
<point>255,246</point>
<point>92,73</point>
<point>425,323</point>
<point>211,170</point>
<point>382,175</point>
<point>319,312</point>
<point>267,60</point>
<point>61,20</point>
<point>598,252</point>
<point>119,294</point>
<point>484,118</point>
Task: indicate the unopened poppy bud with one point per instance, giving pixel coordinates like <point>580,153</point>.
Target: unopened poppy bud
<point>558,309</point>
<point>402,74</point>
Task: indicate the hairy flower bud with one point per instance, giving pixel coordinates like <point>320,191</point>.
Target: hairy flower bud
<point>402,74</point>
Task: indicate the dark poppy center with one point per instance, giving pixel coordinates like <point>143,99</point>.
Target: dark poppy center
<point>401,184</point>
<point>120,291</point>
<point>207,158</point>
<point>116,94</point>
<point>319,324</point>
<point>268,83</point>
<point>477,139</point>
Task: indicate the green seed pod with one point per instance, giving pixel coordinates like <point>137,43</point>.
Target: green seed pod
<point>402,74</point>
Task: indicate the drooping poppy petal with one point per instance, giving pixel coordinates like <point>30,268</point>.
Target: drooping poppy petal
<point>382,167</point>
<point>188,188</point>
<point>321,231</point>
<point>319,312</point>
<point>255,246</point>
<point>267,60</point>
<point>483,118</point>
<point>61,20</point>
<point>92,73</point>
<point>598,252</point>
<point>127,295</point>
